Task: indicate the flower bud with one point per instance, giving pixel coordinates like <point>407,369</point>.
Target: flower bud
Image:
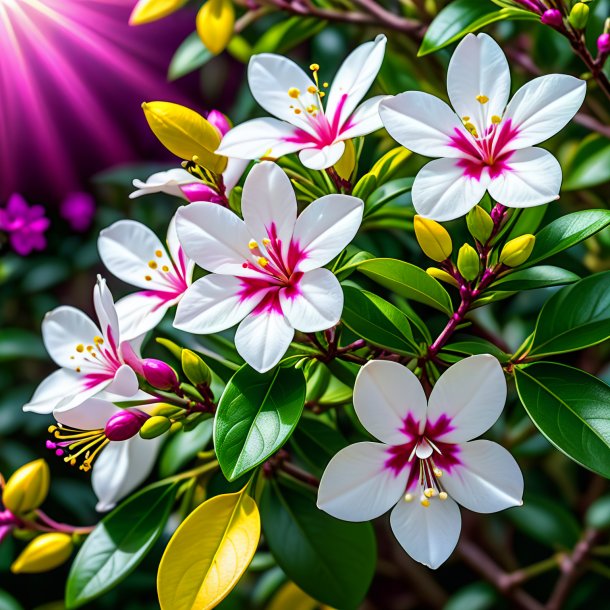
<point>552,17</point>
<point>27,489</point>
<point>468,262</point>
<point>345,165</point>
<point>433,238</point>
<point>443,276</point>
<point>165,409</point>
<point>159,374</point>
<point>517,250</point>
<point>479,224</point>
<point>44,553</point>
<point>603,44</point>
<point>124,424</point>
<point>215,21</point>
<point>155,426</point>
<point>219,120</point>
<point>579,15</point>
<point>196,370</point>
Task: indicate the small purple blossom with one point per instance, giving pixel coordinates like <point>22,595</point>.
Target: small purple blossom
<point>552,17</point>
<point>603,44</point>
<point>78,209</point>
<point>197,191</point>
<point>25,225</point>
<point>219,120</point>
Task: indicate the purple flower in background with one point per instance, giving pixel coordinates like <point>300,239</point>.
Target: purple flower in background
<point>25,225</point>
<point>78,209</point>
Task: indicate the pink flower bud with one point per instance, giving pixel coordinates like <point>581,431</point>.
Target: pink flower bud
<point>603,44</point>
<point>159,374</point>
<point>552,17</point>
<point>219,120</point>
<point>197,191</point>
<point>124,424</point>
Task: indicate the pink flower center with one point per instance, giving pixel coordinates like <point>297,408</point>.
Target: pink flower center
<point>98,361</point>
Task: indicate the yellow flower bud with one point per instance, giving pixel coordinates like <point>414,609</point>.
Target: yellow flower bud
<point>44,553</point>
<point>579,15</point>
<point>517,250</point>
<point>164,409</point>
<point>215,21</point>
<point>27,489</point>
<point>196,370</point>
<point>479,224</point>
<point>185,133</point>
<point>146,11</point>
<point>155,426</point>
<point>442,276</point>
<point>468,262</point>
<point>345,165</point>
<point>433,238</point>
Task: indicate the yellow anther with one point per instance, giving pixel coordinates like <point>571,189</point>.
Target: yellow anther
<point>71,357</point>
<point>147,278</point>
<point>314,67</point>
<point>294,92</point>
<point>465,119</point>
<point>430,492</point>
<point>98,340</point>
<point>80,347</point>
<point>495,119</point>
<point>152,264</point>
<point>90,348</point>
<point>322,94</point>
<point>266,241</point>
<point>252,244</point>
<point>297,111</point>
<point>312,89</point>
<point>325,84</point>
<point>425,503</point>
<point>408,497</point>
<point>443,495</point>
<point>158,253</point>
<point>472,129</point>
<point>262,261</point>
<point>77,369</point>
<point>438,473</point>
<point>165,268</point>
<point>482,99</point>
<point>51,429</point>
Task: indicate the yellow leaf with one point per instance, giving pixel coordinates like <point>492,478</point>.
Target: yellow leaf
<point>185,133</point>
<point>345,165</point>
<point>215,21</point>
<point>208,553</point>
<point>291,597</point>
<point>389,163</point>
<point>146,11</point>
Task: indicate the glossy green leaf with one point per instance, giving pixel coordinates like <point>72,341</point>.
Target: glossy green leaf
<point>119,543</point>
<point>598,514</point>
<point>463,16</point>
<point>331,560</point>
<point>475,596</point>
<point>190,56</point>
<point>590,165</point>
<point>570,407</point>
<point>471,346</point>
<point>566,232</point>
<point>408,281</point>
<point>183,446</point>
<point>387,193</point>
<point>287,34</point>
<point>377,321</point>
<point>256,415</point>
<point>535,277</point>
<point>575,317</point>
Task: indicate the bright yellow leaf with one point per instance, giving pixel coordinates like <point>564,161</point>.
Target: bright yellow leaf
<point>345,165</point>
<point>146,11</point>
<point>208,553</point>
<point>290,597</point>
<point>215,21</point>
<point>185,133</point>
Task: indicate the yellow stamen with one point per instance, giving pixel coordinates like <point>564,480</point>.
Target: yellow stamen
<point>325,84</point>
<point>314,67</point>
<point>147,278</point>
<point>294,92</point>
<point>266,241</point>
<point>262,261</point>
<point>312,89</point>
<point>408,497</point>
<point>252,244</point>
<point>438,473</point>
<point>443,495</point>
<point>425,503</point>
<point>158,253</point>
<point>165,268</point>
<point>98,340</point>
<point>430,492</point>
<point>322,94</point>
<point>482,99</point>
<point>472,129</point>
<point>90,348</point>
<point>152,264</point>
<point>465,119</point>
<point>495,119</point>
<point>80,347</point>
<point>297,111</point>
<point>77,369</point>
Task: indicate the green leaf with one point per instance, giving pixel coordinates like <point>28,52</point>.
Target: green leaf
<point>183,446</point>
<point>408,281</point>
<point>590,165</point>
<point>16,343</point>
<point>535,277</point>
<point>119,543</point>
<point>377,321</point>
<point>256,415</point>
<point>575,317</point>
<point>566,232</point>
<point>475,596</point>
<point>570,407</point>
<point>598,514</point>
<point>287,34</point>
<point>463,16</point>
<point>8,602</point>
<point>331,560</point>
<point>190,55</point>
<point>386,193</point>
<point>471,346</point>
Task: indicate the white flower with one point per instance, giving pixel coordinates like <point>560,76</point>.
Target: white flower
<point>426,461</point>
<point>265,269</point>
<point>164,182</point>
<point>485,144</point>
<point>133,253</point>
<point>304,123</point>
<point>104,437</point>
<point>91,358</point>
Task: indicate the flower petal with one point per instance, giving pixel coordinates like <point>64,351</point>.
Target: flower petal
<point>214,303</point>
<point>427,533</point>
<point>321,158</point>
<point>53,390</point>
<point>264,137</point>
<point>355,485</point>
<point>263,338</point>
<point>269,205</point>
<point>318,303</point>
<point>63,329</point>
<point>214,237</point>
<point>364,120</point>
<point>233,172</point>
<point>121,467</point>
<point>182,262</point>
<point>354,79</point>
<point>442,191</point>
<point>422,123</point>
<point>105,310</point>
<point>386,394</point>
<point>544,106</point>
<point>325,227</point>
<point>533,177</point>
<point>487,480</point>
<point>93,414</point>
<point>471,393</point>
<point>163,182</point>
<point>125,382</point>
<point>478,67</point>
<point>140,312</point>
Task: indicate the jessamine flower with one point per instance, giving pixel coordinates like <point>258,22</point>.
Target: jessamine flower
<point>426,461</point>
<point>134,254</point>
<point>266,270</point>
<point>78,209</point>
<point>485,145</point>
<point>92,357</point>
<point>303,122</point>
<point>24,224</point>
